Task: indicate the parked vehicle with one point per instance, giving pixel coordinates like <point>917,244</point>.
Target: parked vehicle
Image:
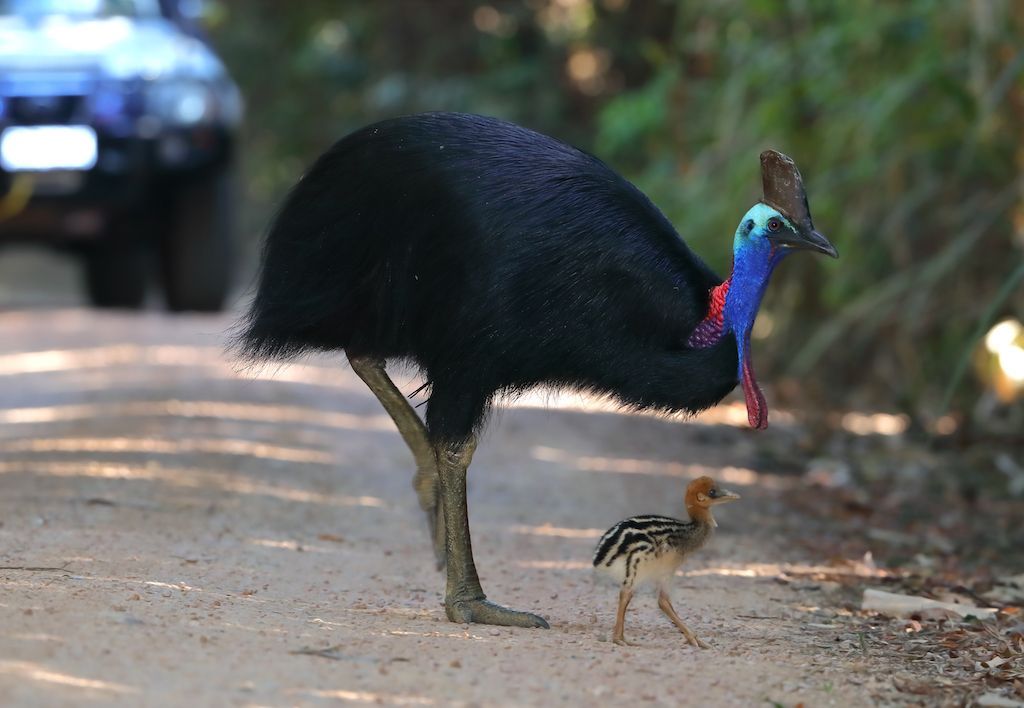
<point>118,127</point>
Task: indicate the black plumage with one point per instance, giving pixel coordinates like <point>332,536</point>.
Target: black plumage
<point>494,258</point>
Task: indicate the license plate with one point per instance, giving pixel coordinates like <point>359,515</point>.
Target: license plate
<point>47,147</point>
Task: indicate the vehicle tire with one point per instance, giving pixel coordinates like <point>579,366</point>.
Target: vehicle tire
<point>197,248</point>
<point>116,273</point>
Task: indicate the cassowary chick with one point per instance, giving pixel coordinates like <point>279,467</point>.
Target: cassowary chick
<point>645,549</point>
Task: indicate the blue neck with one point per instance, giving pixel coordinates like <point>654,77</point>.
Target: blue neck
<point>754,259</point>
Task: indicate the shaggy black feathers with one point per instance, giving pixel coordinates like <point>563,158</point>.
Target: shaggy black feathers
<point>495,259</point>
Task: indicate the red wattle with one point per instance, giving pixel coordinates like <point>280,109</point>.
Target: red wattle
<point>757,407</point>
<point>716,302</point>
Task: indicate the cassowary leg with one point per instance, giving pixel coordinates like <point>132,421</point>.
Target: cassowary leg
<point>618,634</point>
<point>372,372</point>
<point>666,606</point>
<point>464,598</point>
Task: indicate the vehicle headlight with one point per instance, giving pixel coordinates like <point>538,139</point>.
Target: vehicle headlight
<point>182,103</point>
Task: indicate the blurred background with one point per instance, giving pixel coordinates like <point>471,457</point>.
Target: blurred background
<point>905,118</point>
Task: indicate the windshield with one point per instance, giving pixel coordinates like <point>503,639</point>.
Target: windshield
<point>81,8</point>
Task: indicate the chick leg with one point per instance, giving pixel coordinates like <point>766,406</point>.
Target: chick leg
<point>412,430</point>
<point>464,597</point>
<point>666,606</point>
<point>625,595</point>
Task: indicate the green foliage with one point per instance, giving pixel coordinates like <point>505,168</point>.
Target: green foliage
<point>905,117</point>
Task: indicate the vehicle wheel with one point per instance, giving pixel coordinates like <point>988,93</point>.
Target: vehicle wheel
<point>116,274</point>
<point>197,249</point>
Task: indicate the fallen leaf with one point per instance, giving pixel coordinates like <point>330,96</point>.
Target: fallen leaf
<point>993,663</point>
<point>896,605</point>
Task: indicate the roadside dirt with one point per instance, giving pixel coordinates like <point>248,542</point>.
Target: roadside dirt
<point>174,530</point>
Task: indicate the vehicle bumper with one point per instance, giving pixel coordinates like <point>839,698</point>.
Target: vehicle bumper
<point>75,205</point>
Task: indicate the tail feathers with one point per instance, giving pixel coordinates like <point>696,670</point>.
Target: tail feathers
<point>254,340</point>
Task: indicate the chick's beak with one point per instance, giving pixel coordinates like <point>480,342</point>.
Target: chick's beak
<point>724,495</point>
<point>807,240</point>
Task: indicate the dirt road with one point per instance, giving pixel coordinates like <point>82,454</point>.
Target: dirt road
<point>176,531</point>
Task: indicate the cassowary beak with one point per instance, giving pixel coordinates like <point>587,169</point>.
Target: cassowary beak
<point>784,191</point>
<point>806,241</point>
<point>815,241</point>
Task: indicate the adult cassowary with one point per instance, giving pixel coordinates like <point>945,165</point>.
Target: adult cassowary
<point>497,259</point>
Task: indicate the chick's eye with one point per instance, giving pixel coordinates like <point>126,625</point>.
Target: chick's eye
<point>774,225</point>
<point>713,493</point>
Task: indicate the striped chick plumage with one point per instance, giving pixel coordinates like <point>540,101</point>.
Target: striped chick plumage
<point>648,548</point>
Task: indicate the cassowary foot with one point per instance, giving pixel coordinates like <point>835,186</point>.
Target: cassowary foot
<point>429,494</point>
<point>414,433</point>
<point>484,611</point>
<point>464,598</point>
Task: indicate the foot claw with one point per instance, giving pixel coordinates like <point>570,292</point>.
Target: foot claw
<point>486,612</point>
<point>699,643</point>
<point>623,642</point>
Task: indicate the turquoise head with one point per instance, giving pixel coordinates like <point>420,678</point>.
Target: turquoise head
<point>772,229</point>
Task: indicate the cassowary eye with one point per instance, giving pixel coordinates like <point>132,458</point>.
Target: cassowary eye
<point>774,225</point>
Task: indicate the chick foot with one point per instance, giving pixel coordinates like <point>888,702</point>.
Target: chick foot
<point>665,604</point>
<point>697,642</point>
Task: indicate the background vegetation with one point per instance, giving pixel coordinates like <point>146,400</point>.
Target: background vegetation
<point>905,117</point>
